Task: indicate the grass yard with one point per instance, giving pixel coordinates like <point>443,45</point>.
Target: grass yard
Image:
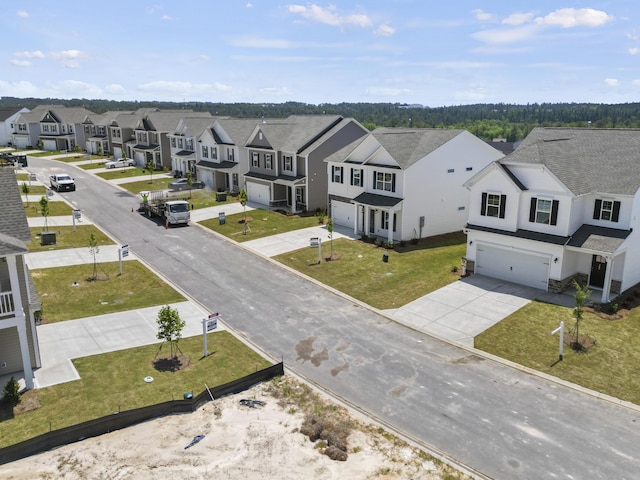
<point>262,223</point>
<point>22,177</point>
<point>67,238</point>
<point>610,366</point>
<point>137,287</point>
<point>205,198</point>
<point>92,165</point>
<point>361,273</point>
<point>114,381</point>
<point>33,189</point>
<point>77,157</point>
<point>56,209</point>
<point>160,182</point>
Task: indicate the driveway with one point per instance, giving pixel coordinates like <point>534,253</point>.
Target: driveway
<point>463,309</point>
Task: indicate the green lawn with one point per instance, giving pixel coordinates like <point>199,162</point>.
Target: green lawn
<point>360,272</point>
<point>610,366</point>
<point>261,223</point>
<point>206,198</point>
<point>92,165</point>
<point>114,382</point>
<point>137,287</point>
<point>129,172</point>
<point>67,238</point>
<point>56,209</point>
<point>160,182</point>
<point>22,177</point>
<point>77,157</point>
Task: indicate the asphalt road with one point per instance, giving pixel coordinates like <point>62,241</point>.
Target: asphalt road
<point>498,420</point>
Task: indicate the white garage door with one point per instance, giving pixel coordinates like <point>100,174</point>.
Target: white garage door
<point>49,145</point>
<point>258,193</point>
<point>515,266</point>
<point>342,213</point>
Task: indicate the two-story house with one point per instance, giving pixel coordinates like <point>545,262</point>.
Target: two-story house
<point>7,118</point>
<point>286,159</point>
<point>222,158</point>
<point>564,205</point>
<point>184,143</point>
<point>402,184</point>
<point>97,132</point>
<point>19,350</point>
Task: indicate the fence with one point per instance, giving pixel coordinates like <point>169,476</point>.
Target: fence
<point>116,421</point>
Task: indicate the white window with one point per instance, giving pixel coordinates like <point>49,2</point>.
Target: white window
<point>336,174</point>
<point>230,154</point>
<point>214,153</point>
<point>543,211</point>
<point>385,220</point>
<point>493,205</point>
<point>173,142</point>
<point>255,159</point>
<point>45,128</point>
<point>267,160</point>
<point>385,181</point>
<point>606,212</point>
<point>288,163</point>
<point>205,151</point>
<point>356,177</point>
<point>299,197</point>
<point>189,144</point>
<point>180,143</point>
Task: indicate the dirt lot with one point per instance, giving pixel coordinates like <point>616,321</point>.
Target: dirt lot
<point>239,442</point>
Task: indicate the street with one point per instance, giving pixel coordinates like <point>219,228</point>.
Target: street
<point>498,420</point>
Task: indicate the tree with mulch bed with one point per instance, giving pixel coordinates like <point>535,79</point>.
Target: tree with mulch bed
<point>580,297</point>
<point>170,327</point>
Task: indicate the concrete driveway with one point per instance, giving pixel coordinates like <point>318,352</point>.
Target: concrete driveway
<point>464,309</point>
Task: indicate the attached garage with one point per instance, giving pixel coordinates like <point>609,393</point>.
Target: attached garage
<point>343,213</point>
<point>513,265</point>
<point>258,193</point>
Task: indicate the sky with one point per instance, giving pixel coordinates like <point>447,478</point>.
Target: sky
<point>432,53</point>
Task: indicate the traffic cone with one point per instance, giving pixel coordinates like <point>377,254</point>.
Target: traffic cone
<point>166,225</point>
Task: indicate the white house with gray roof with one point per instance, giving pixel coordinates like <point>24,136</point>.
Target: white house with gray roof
<point>19,350</point>
<point>401,184</point>
<point>7,118</point>
<point>564,205</point>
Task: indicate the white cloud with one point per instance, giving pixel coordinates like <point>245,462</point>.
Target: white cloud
<point>21,63</point>
<point>182,88</point>
<point>22,13</point>
<point>18,89</point>
<point>75,88</point>
<point>165,17</point>
<point>518,18</point>
<point>34,54</point>
<point>636,83</point>
<point>575,17</point>
<point>633,51</point>
<point>115,88</point>
<point>275,91</point>
<point>612,82</point>
<point>474,95</point>
<point>70,55</point>
<point>386,91</point>
<point>484,16</point>
<point>503,36</point>
<point>330,16</point>
<point>249,5</point>
<point>385,30</point>
<point>251,41</point>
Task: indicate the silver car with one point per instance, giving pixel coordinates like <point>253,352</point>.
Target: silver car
<point>182,184</point>
<point>120,162</point>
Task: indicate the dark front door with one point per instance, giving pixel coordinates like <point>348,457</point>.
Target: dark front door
<point>372,221</point>
<point>598,270</point>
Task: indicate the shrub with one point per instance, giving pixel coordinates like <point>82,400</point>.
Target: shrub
<point>454,269</point>
<point>11,393</point>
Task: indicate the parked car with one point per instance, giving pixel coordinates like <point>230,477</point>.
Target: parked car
<point>120,162</point>
<point>182,184</point>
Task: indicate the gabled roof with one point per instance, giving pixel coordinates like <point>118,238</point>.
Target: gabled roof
<point>598,239</point>
<point>195,126</point>
<point>8,112</point>
<point>167,120</point>
<point>585,159</point>
<point>70,115</point>
<point>296,132</point>
<point>14,228</point>
<point>409,145</point>
<point>238,129</point>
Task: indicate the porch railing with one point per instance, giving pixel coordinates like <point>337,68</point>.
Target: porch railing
<point>6,304</point>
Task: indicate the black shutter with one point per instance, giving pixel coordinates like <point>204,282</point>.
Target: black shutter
<point>532,209</point>
<point>393,182</point>
<point>483,208</point>
<point>374,180</point>
<point>341,174</point>
<point>361,178</point>
<point>554,212</point>
<point>333,173</point>
<point>616,212</point>
<point>503,205</point>
<point>352,176</point>
<point>596,210</point>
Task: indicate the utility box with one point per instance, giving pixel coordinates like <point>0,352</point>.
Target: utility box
<point>221,196</point>
<point>48,238</point>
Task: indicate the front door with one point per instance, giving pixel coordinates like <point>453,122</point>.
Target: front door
<point>598,270</point>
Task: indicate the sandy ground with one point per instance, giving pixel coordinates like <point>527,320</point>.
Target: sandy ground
<point>239,443</point>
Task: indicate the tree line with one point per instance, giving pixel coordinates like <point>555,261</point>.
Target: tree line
<point>487,121</point>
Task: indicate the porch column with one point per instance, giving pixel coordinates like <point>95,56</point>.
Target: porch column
<point>366,219</point>
<point>606,288</point>
<point>390,229</point>
<point>294,194</point>
<point>21,321</point>
<point>356,219</point>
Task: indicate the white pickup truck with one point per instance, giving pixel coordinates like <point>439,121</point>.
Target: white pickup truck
<point>62,182</point>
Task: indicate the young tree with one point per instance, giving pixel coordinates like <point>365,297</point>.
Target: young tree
<point>77,148</point>
<point>170,327</point>
<point>11,393</point>
<point>189,181</point>
<point>100,151</point>
<point>580,297</point>
<point>94,250</point>
<point>243,201</point>
<point>150,168</point>
<point>25,191</point>
<point>330,230</point>
<point>44,209</point>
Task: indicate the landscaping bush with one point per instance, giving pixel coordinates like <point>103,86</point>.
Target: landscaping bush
<point>11,393</point>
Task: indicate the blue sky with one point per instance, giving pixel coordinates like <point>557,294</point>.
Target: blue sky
<point>266,51</point>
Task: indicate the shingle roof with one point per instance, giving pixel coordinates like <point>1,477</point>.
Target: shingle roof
<point>409,145</point>
<point>598,239</point>
<point>521,233</point>
<point>5,113</point>
<point>585,159</point>
<point>14,228</point>
<point>238,129</point>
<point>297,131</point>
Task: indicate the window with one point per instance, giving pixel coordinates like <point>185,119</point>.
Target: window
<point>299,197</point>
<point>288,163</point>
<point>205,151</point>
<point>385,221</point>
<point>606,210</point>
<point>173,142</point>
<point>101,130</point>
<point>356,177</point>
<point>384,181</point>
<point>493,205</point>
<point>468,169</point>
<point>234,179</point>
<point>230,154</point>
<point>267,160</point>
<point>189,144</point>
<point>451,170</point>
<point>214,153</point>
<point>45,128</point>
<point>336,174</point>
<point>180,143</point>
<point>255,159</point>
<point>543,211</point>
<point>460,209</point>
